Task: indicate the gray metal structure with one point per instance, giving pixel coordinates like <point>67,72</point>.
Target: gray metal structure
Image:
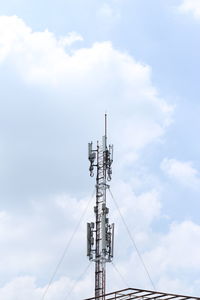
<point>138,294</point>
<point>100,234</point>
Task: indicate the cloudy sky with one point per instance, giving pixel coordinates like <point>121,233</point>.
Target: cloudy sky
<point>62,65</point>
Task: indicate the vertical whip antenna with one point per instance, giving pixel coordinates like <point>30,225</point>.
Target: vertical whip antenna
<point>106,129</point>
<point>100,234</point>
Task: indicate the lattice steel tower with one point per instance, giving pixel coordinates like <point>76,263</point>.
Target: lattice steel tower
<point>100,234</point>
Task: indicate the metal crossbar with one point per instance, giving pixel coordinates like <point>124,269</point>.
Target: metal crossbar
<point>138,294</point>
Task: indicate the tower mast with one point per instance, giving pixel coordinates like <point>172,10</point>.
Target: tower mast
<point>100,234</point>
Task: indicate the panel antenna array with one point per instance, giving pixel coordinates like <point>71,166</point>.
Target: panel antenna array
<point>100,234</point>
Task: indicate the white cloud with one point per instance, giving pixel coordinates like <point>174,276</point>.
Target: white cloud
<point>32,245</point>
<point>190,6</point>
<point>177,255</point>
<point>140,210</point>
<point>99,77</point>
<point>25,287</point>
<point>75,87</point>
<point>70,39</point>
<point>183,172</point>
<point>50,225</point>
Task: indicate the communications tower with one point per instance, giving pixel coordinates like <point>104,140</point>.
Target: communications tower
<point>100,234</point>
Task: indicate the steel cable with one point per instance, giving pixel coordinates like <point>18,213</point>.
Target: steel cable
<point>133,241</point>
<point>67,247</point>
<point>76,282</point>
<point>121,276</point>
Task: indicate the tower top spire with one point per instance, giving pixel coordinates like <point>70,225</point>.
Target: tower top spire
<point>106,126</point>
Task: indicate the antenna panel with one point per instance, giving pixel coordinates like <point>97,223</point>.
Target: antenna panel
<point>112,240</point>
<point>111,153</point>
<point>88,239</point>
<point>89,150</point>
<point>103,232</point>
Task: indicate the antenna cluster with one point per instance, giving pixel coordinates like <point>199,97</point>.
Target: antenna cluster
<point>108,158</point>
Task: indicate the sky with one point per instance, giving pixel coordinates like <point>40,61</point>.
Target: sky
<point>63,64</point>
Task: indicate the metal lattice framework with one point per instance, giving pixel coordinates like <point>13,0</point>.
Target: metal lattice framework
<point>138,294</point>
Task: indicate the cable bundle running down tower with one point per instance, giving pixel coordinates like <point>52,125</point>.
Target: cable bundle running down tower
<point>100,234</point>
